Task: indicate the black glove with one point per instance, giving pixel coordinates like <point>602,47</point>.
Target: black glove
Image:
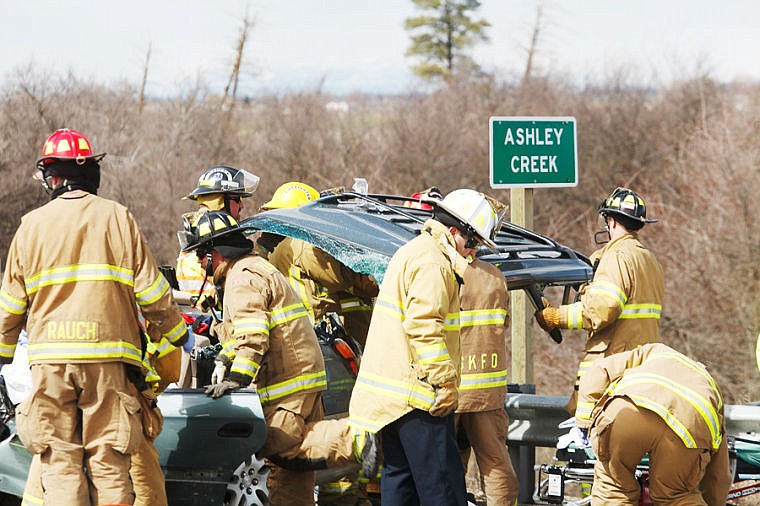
<point>219,389</point>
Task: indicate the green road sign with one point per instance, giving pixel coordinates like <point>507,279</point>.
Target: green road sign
<point>533,152</point>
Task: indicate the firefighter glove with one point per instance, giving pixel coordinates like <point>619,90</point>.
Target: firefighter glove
<point>220,371</point>
<point>580,437</point>
<point>446,399</point>
<point>548,318</point>
<point>366,452</point>
<point>190,341</point>
<point>219,389</point>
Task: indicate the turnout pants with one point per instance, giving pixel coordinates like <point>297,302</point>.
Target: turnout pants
<point>146,474</point>
<point>486,433</point>
<point>298,442</point>
<point>621,436</point>
<point>82,416</point>
<point>421,462</point>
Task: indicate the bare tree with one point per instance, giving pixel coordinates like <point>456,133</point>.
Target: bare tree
<point>230,90</point>
<point>144,82</point>
<point>533,43</point>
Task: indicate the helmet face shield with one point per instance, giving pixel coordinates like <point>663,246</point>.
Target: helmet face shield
<point>227,181</point>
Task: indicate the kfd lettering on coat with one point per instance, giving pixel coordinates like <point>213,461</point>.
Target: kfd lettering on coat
<point>476,362</point>
<point>533,137</point>
<point>72,331</point>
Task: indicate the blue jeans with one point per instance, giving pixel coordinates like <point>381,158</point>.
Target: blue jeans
<point>421,463</point>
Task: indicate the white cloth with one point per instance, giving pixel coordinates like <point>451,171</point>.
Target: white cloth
<point>18,377</point>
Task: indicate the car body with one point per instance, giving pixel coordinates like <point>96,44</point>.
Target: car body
<point>203,438</point>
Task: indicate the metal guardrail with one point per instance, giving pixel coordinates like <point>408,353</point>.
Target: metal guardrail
<point>533,421</point>
<point>534,418</point>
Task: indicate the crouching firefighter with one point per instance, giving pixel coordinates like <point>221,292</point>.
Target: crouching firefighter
<point>272,346</point>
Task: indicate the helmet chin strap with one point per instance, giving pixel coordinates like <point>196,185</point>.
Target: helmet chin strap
<point>208,303</point>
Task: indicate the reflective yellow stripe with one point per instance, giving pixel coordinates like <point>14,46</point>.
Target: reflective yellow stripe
<point>391,307</point>
<point>243,326</point>
<point>609,290</point>
<point>641,311</point>
<point>176,332</point>
<point>477,317</point>
<point>154,292</point>
<point>164,348</point>
<point>30,500</point>
<point>12,304</point>
<point>575,316</point>
<point>416,396</point>
<point>364,424</point>
<point>302,383</point>
<point>432,353</point>
<point>78,273</point>
<point>351,305</point>
<point>697,401</point>
<point>451,322</point>
<point>583,367</point>
<point>287,314</point>
<point>478,381</point>
<point>697,367</point>
<point>294,275</point>
<point>79,351</point>
<point>245,367</point>
<point>7,350</point>
<point>583,410</point>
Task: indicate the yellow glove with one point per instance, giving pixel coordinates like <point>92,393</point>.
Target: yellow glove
<point>446,399</point>
<point>548,318</point>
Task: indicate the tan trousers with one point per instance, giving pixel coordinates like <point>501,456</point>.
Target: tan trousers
<point>487,434</point>
<point>621,436</point>
<point>303,436</point>
<point>82,416</point>
<point>146,474</point>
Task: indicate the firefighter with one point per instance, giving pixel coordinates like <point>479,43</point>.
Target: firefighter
<point>482,421</point>
<point>273,346</point>
<point>407,385</point>
<point>621,306</point>
<point>654,400</point>
<point>322,282</point>
<point>220,188</point>
<point>76,294</point>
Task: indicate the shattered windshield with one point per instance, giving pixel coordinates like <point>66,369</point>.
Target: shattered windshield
<point>354,257</point>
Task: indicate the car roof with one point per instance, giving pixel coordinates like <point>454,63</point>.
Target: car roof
<point>364,231</point>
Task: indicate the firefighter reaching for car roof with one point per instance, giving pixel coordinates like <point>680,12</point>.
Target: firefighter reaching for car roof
<point>272,346</point>
<point>76,291</point>
<point>621,306</point>
<point>323,283</point>
<point>481,420</point>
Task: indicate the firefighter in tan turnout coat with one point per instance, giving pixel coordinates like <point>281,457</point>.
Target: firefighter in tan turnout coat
<point>323,283</point>
<point>622,305</point>
<point>408,379</point>
<point>271,345</point>
<point>75,269</point>
<point>481,418</point>
<point>654,399</point>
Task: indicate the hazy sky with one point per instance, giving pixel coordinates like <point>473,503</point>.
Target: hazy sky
<point>358,45</point>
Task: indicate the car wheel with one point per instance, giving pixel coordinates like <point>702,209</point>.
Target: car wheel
<point>248,485</point>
